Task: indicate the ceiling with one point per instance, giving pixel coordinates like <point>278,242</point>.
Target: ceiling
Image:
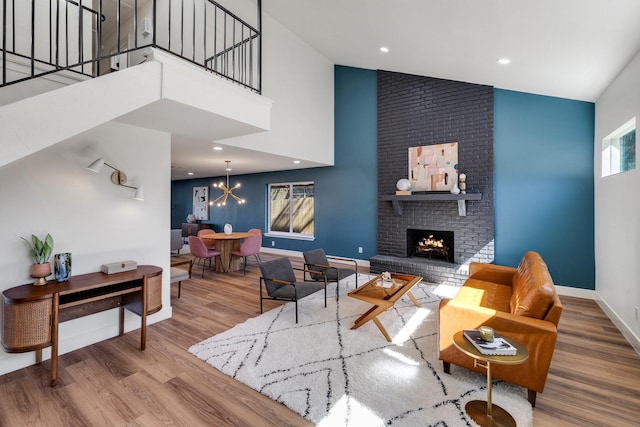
<point>566,48</point>
<point>569,48</point>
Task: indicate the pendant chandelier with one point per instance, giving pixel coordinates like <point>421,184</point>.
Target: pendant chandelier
<point>226,190</point>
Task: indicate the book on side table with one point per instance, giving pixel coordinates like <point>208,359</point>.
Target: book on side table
<point>498,347</point>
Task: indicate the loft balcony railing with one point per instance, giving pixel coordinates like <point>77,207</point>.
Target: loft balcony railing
<point>94,37</point>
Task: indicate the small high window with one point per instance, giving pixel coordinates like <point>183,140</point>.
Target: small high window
<point>619,150</point>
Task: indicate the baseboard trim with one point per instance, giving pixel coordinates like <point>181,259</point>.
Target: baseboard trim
<point>298,254</point>
<point>576,292</point>
<point>622,326</point>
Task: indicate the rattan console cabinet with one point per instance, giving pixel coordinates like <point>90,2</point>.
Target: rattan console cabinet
<point>31,314</point>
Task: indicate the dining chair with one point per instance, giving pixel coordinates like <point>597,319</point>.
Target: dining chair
<point>209,243</point>
<point>179,274</point>
<point>279,281</point>
<point>176,241</point>
<point>250,246</point>
<point>318,261</point>
<point>200,251</point>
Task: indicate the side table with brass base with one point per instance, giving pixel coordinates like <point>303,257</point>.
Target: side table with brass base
<point>486,413</point>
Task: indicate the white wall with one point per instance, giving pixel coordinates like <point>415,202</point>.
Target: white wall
<point>617,228</point>
<point>300,82</point>
<point>45,43</point>
<point>52,191</point>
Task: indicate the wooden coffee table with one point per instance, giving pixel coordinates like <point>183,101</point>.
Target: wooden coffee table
<point>486,413</point>
<point>383,297</point>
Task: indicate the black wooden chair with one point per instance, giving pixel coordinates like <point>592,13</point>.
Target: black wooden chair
<point>279,281</point>
<point>318,262</point>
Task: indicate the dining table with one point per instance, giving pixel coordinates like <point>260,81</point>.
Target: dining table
<point>225,244</point>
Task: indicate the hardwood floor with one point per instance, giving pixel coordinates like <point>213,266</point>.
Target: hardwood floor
<point>594,378</point>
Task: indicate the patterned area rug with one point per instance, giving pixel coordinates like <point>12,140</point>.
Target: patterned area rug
<point>335,376</point>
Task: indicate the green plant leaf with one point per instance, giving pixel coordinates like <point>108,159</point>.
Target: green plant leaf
<point>40,252</point>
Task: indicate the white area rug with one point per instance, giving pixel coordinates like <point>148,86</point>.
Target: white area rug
<point>335,376</point>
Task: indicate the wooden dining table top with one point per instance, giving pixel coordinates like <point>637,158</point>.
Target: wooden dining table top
<point>223,236</point>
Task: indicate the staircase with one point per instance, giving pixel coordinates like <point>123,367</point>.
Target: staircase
<point>207,68</point>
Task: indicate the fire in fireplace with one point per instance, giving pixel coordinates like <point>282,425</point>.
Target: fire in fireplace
<point>431,244</point>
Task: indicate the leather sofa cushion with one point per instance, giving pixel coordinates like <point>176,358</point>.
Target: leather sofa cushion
<point>533,290</point>
<point>485,294</point>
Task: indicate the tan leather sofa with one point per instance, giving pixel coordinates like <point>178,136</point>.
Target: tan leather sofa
<point>519,303</point>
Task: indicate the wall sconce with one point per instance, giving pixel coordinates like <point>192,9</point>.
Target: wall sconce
<point>118,177</point>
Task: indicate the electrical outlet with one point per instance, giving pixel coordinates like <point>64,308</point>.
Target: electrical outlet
<point>359,249</point>
<point>273,243</point>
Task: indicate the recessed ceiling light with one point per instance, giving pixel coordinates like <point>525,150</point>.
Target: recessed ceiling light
<point>504,61</point>
<point>296,162</point>
<point>384,49</point>
<point>189,173</point>
<point>216,148</point>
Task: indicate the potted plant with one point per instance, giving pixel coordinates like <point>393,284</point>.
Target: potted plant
<point>40,253</point>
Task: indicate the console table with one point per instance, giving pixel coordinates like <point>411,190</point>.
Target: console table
<point>31,314</point>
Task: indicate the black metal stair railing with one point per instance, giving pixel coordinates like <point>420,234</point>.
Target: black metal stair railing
<point>41,37</point>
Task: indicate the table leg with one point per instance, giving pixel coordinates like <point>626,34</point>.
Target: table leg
<point>227,262</point>
<point>382,329</point>
<point>54,339</point>
<point>370,314</point>
<point>121,322</point>
<point>413,299</point>
<point>143,316</point>
<point>486,413</point>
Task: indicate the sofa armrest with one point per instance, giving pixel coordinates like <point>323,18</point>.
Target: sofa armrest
<point>492,273</point>
<point>538,336</point>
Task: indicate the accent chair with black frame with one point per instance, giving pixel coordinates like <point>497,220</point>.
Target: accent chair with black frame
<point>317,261</point>
<point>279,281</point>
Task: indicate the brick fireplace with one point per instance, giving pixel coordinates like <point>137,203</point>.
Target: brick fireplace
<point>415,111</point>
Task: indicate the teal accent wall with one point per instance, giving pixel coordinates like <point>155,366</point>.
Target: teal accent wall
<point>543,184</point>
<point>345,194</point>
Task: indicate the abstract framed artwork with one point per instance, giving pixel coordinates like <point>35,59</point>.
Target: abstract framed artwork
<point>201,203</point>
<point>433,167</point>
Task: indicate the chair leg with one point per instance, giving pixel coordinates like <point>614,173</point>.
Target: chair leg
<point>179,288</point>
<point>447,367</point>
<point>244,266</point>
<point>325,295</point>
<point>532,397</point>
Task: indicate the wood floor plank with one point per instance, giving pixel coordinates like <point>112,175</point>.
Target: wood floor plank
<point>594,379</point>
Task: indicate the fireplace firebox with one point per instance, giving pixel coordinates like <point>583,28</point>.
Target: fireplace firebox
<point>432,244</point>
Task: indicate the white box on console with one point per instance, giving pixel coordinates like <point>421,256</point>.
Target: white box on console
<point>119,267</point>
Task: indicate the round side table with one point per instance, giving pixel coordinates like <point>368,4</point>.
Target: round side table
<point>486,413</point>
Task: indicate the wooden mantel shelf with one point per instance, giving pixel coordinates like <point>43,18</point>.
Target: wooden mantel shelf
<point>431,197</point>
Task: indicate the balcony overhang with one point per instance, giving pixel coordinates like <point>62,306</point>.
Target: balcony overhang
<point>164,93</point>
